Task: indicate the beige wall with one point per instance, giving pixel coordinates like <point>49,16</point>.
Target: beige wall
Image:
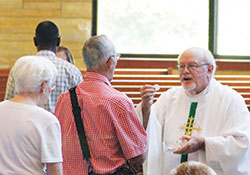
<point>19,18</point>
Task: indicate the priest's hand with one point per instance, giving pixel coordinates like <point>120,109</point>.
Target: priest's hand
<point>193,144</point>
<point>147,93</point>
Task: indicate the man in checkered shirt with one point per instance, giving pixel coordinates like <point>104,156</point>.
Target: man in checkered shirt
<point>114,132</point>
<point>46,40</point>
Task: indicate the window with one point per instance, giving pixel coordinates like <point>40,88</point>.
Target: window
<point>164,28</point>
<point>233,37</point>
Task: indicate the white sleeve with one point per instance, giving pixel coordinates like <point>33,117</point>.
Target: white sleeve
<point>231,148</point>
<point>51,144</point>
<point>158,109</point>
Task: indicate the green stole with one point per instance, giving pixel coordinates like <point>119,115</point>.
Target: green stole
<point>189,127</point>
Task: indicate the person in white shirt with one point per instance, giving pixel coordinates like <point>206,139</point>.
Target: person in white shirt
<point>210,119</point>
<point>30,141</point>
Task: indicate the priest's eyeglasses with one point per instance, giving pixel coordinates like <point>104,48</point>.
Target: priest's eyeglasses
<point>190,67</point>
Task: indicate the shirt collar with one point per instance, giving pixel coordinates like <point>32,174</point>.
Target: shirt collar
<point>97,76</point>
<point>46,52</point>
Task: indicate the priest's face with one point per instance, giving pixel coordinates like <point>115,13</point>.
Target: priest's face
<point>194,71</point>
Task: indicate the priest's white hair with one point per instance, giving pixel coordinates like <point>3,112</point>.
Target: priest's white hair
<point>201,53</point>
<point>30,71</point>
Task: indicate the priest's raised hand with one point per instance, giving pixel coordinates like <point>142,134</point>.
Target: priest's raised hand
<point>147,94</point>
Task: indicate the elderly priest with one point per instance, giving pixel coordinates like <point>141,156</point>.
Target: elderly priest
<point>202,120</point>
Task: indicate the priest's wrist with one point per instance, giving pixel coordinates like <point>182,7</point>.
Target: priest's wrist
<point>202,143</point>
<point>146,114</point>
<point>146,108</point>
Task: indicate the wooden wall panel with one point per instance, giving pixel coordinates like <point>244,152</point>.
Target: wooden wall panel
<point>30,13</point>
<point>19,18</point>
<point>10,4</point>
<point>51,5</point>
<point>77,10</point>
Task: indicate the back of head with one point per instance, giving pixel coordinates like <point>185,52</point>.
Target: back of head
<point>97,49</point>
<point>201,53</point>
<point>47,34</point>
<point>192,168</point>
<point>30,71</point>
<point>67,53</point>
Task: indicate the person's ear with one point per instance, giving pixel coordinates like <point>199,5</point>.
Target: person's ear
<point>109,62</point>
<point>43,86</point>
<point>210,68</point>
<point>58,41</point>
<point>35,41</point>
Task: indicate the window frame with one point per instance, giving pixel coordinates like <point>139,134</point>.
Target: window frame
<point>212,32</point>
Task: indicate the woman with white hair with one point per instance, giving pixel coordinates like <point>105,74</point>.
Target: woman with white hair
<point>192,168</point>
<point>30,141</point>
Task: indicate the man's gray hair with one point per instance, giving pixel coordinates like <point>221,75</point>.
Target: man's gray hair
<point>204,54</point>
<point>96,49</point>
<point>30,71</point>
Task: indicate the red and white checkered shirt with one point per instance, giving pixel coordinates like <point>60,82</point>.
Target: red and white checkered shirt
<point>112,127</point>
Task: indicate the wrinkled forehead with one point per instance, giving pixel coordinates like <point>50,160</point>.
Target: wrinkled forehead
<point>191,56</point>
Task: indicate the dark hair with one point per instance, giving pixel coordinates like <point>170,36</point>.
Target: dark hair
<point>67,53</point>
<point>47,33</point>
